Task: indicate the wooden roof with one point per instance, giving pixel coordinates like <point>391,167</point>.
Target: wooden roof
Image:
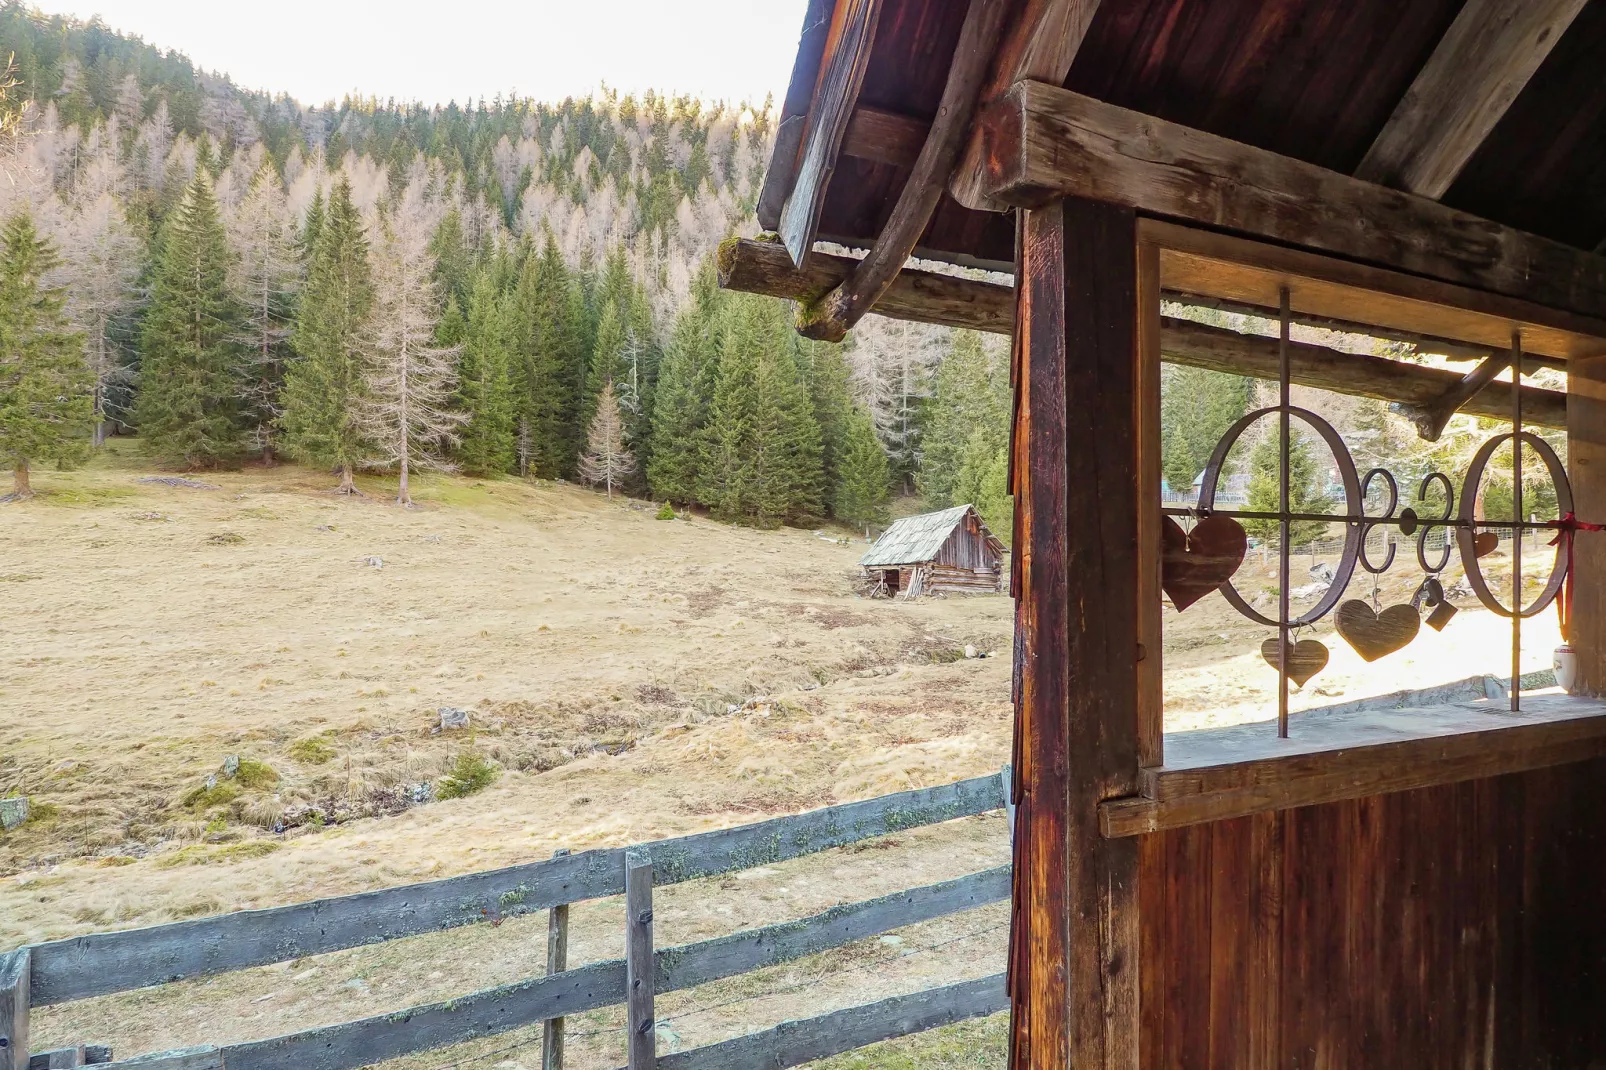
<point>914,540</point>
<point>1313,80</point>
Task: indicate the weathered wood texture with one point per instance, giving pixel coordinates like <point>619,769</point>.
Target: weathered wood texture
<point>1044,142</point>
<point>847,51</point>
<point>96,965</point>
<point>1586,464</point>
<point>58,1059</point>
<point>557,960</point>
<point>929,297</point>
<point>492,1011</point>
<point>1218,773</point>
<point>884,136</point>
<point>1448,927</point>
<point>14,1005</point>
<point>830,318</point>
<point>794,1043</point>
<point>1040,44</point>
<point>1483,62</point>
<point>1074,980</point>
<point>641,1028</point>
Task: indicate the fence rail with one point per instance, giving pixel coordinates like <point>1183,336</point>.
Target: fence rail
<point>106,963</point>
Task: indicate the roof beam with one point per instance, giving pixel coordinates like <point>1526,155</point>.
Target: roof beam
<point>1040,45</point>
<point>1484,60</point>
<point>954,301</point>
<point>1042,143</point>
<point>830,318</point>
<point>847,54</point>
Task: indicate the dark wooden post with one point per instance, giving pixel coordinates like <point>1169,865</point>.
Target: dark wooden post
<point>14,974</point>
<point>557,960</point>
<point>1077,469</point>
<point>1586,461</point>
<point>641,1044</point>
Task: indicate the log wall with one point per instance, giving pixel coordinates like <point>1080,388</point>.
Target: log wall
<point>1454,926</point>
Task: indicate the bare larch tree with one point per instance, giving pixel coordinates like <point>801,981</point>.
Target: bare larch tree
<point>606,460</point>
<point>408,414</point>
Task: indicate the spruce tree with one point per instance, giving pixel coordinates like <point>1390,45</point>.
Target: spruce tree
<point>983,481</point>
<point>484,391</point>
<point>1306,493</point>
<point>47,400</point>
<point>967,399</point>
<point>189,401</point>
<point>324,391</point>
<point>862,473</point>
<point>546,370</point>
<point>684,394</point>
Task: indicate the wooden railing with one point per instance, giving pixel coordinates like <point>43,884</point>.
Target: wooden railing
<point>105,963</point>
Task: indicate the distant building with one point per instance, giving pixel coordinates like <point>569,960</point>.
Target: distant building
<point>946,552</point>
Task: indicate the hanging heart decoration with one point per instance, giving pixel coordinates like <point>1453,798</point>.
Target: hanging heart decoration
<point>1306,658</point>
<point>1485,543</point>
<point>1193,564</point>
<point>1376,635</point>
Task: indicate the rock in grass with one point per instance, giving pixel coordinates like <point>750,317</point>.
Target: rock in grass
<point>452,717</point>
<point>13,812</point>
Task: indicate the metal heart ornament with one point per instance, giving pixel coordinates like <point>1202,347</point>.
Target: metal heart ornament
<point>1306,658</point>
<point>1485,543</point>
<point>1377,635</point>
<point>1193,564</point>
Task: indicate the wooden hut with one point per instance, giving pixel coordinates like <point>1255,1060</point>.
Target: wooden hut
<point>946,552</point>
<point>1418,889</point>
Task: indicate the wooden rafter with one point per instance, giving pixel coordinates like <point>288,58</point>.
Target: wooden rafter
<point>1043,142</point>
<point>847,54</point>
<point>1488,55</point>
<point>1431,418</point>
<point>952,301</point>
<point>830,318</point>
<point>1040,45</point>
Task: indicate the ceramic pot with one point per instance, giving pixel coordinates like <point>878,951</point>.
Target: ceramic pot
<point>1566,662</point>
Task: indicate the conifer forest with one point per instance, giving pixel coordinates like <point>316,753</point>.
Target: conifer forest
<point>498,286</point>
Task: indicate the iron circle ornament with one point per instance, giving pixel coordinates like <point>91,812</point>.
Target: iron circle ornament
<point>1464,534</point>
<point>1387,514</point>
<point>1428,525</point>
<point>1353,515</point>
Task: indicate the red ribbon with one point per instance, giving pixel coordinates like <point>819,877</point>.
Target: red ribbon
<point>1568,526</point>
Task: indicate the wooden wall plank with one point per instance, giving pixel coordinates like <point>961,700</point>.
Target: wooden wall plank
<point>1443,928</point>
<point>1045,142</point>
<point>1586,470</point>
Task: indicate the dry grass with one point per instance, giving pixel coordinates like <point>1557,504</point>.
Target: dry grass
<point>628,679</point>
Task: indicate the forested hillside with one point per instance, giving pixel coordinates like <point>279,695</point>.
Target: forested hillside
<point>378,285</point>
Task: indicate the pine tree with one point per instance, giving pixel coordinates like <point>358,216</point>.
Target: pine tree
<point>266,275</point>
<point>606,459</point>
<point>189,401</point>
<point>46,399</point>
<point>410,380</point>
<point>969,397</point>
<point>325,390</point>
<point>484,392</point>
<point>547,363</point>
<point>983,481</point>
<point>862,474</point>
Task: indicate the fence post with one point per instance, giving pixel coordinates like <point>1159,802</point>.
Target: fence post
<point>557,960</point>
<point>642,1042</point>
<point>14,972</point>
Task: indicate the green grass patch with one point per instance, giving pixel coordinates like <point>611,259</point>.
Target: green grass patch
<point>91,495</point>
<point>470,774</point>
<point>204,798</point>
<point>201,855</point>
<point>254,775</point>
<point>314,750</point>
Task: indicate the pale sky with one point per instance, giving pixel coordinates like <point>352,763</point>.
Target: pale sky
<point>317,50</point>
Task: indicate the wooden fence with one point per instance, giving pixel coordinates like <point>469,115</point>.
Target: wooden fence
<point>104,963</point>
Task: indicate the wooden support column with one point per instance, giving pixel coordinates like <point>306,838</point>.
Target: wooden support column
<point>1074,952</point>
<point>1586,461</point>
<point>14,976</point>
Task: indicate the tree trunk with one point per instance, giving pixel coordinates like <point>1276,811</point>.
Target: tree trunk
<point>347,485</point>
<point>22,487</point>
<point>403,497</point>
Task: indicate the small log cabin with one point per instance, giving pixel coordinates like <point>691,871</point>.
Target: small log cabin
<point>1420,890</point>
<point>946,552</point>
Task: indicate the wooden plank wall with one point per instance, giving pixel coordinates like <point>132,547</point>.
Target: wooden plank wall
<point>1455,926</point>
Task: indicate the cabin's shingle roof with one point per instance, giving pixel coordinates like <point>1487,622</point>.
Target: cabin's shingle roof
<point>916,539</point>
